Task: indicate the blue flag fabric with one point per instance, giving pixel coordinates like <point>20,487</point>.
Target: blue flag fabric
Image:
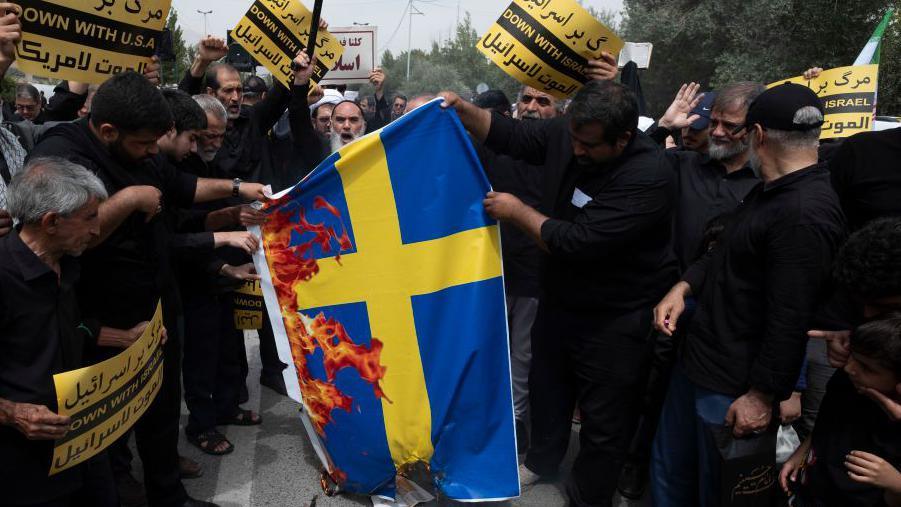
<point>382,276</point>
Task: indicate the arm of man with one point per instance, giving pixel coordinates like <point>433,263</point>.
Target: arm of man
<point>113,211</point>
<point>66,102</point>
<point>612,221</point>
<point>306,142</point>
<point>211,189</point>
<point>798,267</point>
<point>266,112</point>
<point>209,50</point>
<point>35,422</point>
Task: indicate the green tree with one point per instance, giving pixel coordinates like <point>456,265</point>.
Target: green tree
<point>172,71</point>
<point>454,64</point>
<point>715,42</point>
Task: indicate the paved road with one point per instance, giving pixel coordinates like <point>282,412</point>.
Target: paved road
<point>274,464</point>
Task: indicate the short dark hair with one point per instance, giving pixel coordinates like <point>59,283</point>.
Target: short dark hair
<point>880,339</point>
<point>494,100</point>
<point>611,104</point>
<point>869,264</point>
<point>739,94</point>
<point>28,91</point>
<point>212,74</point>
<point>401,97</point>
<point>186,111</point>
<point>131,103</point>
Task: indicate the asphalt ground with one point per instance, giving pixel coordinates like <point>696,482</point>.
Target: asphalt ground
<point>274,463</point>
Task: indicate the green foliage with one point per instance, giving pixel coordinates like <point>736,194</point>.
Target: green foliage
<point>173,71</point>
<point>454,64</point>
<point>715,42</point>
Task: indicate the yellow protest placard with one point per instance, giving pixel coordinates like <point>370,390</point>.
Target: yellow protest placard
<point>274,31</point>
<point>248,301</point>
<point>106,399</point>
<point>849,98</point>
<point>546,44</point>
<point>89,40</point>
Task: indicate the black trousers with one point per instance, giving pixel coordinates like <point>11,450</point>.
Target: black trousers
<point>212,363</point>
<point>600,361</point>
<point>663,359</point>
<point>272,365</point>
<point>156,432</point>
<point>98,487</point>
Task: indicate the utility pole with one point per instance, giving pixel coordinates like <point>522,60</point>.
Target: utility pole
<point>410,34</point>
<point>205,13</point>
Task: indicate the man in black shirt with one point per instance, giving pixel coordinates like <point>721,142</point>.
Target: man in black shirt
<point>712,183</point>
<point>757,291</point>
<point>129,271</point>
<point>42,333</point>
<point>605,222</point>
<point>246,151</point>
<point>866,178</point>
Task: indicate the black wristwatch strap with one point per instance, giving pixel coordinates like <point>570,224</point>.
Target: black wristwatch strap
<point>236,187</point>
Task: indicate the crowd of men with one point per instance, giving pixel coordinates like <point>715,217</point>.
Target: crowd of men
<point>718,277</point>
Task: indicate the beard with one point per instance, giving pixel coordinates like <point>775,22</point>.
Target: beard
<point>207,155</point>
<point>530,115</point>
<point>338,141</point>
<point>722,151</point>
<point>119,153</point>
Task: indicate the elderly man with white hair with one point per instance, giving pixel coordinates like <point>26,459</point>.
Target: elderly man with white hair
<point>55,204</point>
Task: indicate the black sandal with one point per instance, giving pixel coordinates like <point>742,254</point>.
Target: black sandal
<point>242,418</point>
<point>208,440</point>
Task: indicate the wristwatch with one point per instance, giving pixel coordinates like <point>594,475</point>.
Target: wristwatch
<point>236,185</point>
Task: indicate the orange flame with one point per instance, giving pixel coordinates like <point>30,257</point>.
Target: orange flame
<point>292,265</point>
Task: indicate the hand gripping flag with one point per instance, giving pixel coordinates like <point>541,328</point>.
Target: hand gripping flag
<point>382,279</point>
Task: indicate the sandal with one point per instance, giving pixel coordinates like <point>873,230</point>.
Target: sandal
<point>209,440</point>
<point>242,418</point>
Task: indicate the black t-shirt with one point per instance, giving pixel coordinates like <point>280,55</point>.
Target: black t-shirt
<point>39,336</point>
<point>125,276</point>
<point>866,175</point>
<point>847,421</point>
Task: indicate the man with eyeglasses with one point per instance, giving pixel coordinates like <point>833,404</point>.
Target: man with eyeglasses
<point>711,185</point>
<point>757,292</point>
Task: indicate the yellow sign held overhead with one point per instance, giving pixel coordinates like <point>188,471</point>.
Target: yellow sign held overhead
<point>849,98</point>
<point>274,31</point>
<point>546,44</point>
<point>89,41</point>
<point>106,399</point>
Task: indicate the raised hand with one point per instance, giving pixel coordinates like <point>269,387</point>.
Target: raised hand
<point>678,114</point>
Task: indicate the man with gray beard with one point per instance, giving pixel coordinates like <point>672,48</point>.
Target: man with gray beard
<point>711,185</point>
<point>348,124</point>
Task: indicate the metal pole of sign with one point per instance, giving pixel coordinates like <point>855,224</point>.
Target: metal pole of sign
<point>314,29</point>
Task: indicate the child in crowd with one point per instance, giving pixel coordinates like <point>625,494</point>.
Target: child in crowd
<point>853,456</point>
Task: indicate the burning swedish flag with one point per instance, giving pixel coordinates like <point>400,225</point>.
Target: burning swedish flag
<point>383,279</point>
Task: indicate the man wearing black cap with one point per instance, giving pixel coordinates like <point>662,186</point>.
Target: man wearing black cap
<point>757,291</point>
<point>255,89</point>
